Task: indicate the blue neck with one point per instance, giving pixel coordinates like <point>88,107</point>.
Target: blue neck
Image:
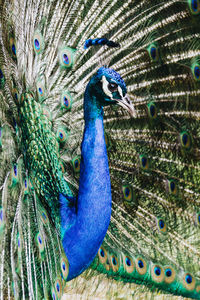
<point>82,241</point>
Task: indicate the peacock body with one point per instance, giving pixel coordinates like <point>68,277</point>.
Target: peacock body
<point>57,179</point>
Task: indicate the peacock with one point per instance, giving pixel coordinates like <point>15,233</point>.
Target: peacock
<point>99,145</point>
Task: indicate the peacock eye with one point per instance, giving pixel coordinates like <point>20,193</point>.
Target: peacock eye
<point>112,87</point>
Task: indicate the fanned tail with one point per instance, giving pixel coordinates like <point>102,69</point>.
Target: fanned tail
<point>153,238</point>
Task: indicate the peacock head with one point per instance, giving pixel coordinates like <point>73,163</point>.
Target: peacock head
<point>109,88</point>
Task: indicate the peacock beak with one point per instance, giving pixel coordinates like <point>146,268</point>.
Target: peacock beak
<point>126,103</point>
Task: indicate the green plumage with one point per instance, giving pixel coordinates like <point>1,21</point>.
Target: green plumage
<point>154,236</point>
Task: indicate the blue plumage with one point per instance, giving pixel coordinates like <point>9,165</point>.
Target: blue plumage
<point>90,224</point>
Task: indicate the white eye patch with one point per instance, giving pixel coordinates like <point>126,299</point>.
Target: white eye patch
<point>105,84</point>
<point>120,91</point>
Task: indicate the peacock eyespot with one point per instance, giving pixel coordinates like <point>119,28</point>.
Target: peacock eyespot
<point>25,183</point>
<point>37,44</point>
<point>168,272</point>
<point>157,271</point>
<point>13,49</point>
<point>194,6</point>
<point>188,279</point>
<point>197,72</point>
<point>40,245</point>
<point>144,162</point>
<point>40,240</point>
<point>140,264</point>
<point>76,164</point>
<point>172,187</point>
<point>44,217</point>
<point>15,170</point>
<point>127,191</point>
<point>186,140</point>
<point>40,88</point>
<point>102,253</point>
<point>63,266</point>
<point>153,53</point>
<point>157,274</point>
<point>18,242</point>
<point>195,68</point>
<point>129,196</point>
<point>152,110</point>
<point>65,59</point>
<point>12,46</point>
<point>62,135</point>
<point>161,224</point>
<point>128,262</point>
<point>114,261</point>
<point>66,102</point>
<point>162,227</point>
<point>58,287</point>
